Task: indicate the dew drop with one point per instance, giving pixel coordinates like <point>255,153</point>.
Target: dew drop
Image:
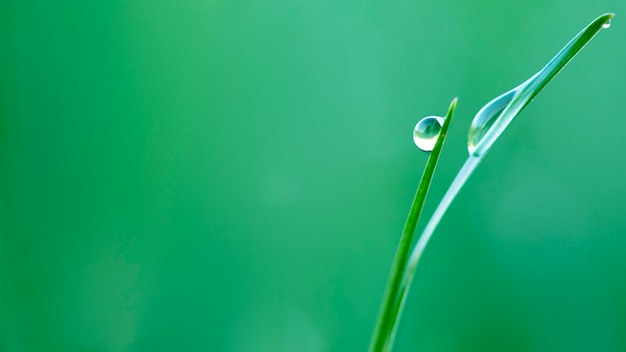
<point>426,132</point>
<point>496,115</point>
<point>484,120</point>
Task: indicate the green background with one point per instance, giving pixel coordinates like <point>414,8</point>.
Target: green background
<point>234,175</point>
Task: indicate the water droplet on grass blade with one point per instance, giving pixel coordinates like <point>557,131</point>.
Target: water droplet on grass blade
<point>482,123</point>
<point>494,117</point>
<point>426,132</point>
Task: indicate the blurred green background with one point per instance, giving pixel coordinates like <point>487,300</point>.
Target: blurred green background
<point>206,175</point>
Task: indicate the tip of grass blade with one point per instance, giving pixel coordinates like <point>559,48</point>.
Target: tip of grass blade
<point>444,128</point>
<point>452,106</point>
<point>604,19</point>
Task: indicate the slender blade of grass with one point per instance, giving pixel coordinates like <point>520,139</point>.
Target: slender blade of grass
<point>528,90</point>
<point>385,325</point>
<point>412,265</point>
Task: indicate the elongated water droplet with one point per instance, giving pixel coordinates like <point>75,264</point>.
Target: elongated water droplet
<point>426,132</point>
<point>484,119</point>
<point>607,24</point>
<point>494,117</point>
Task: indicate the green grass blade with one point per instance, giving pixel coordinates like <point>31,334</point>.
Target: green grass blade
<point>412,264</point>
<point>522,97</point>
<point>387,318</point>
<point>525,92</point>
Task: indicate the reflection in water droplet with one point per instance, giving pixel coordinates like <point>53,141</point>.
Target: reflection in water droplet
<point>607,25</point>
<point>485,118</point>
<point>426,132</point>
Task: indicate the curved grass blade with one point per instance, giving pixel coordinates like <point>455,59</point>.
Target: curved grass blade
<point>521,97</point>
<point>387,318</point>
<point>485,129</point>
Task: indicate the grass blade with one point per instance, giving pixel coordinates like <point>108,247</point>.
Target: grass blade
<point>388,316</point>
<point>522,96</point>
<point>481,140</point>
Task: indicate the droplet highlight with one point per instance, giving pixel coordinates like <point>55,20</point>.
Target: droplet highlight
<point>426,132</point>
<point>607,24</point>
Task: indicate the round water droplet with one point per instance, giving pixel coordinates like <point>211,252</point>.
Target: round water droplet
<point>607,24</point>
<point>426,132</point>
